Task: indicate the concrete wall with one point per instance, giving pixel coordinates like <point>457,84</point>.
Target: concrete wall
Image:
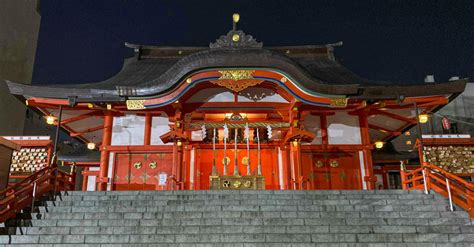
<point>19,28</point>
<point>460,111</point>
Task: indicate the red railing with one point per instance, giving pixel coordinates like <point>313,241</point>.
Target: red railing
<point>22,194</point>
<point>431,177</point>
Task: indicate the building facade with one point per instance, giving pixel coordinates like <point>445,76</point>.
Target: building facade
<point>235,115</point>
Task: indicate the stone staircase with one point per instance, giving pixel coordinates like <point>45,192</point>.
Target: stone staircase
<point>247,218</point>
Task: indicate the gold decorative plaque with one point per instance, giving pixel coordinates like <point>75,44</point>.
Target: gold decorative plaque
<point>225,182</point>
<point>319,164</point>
<point>135,104</point>
<point>152,165</point>
<point>245,161</point>
<point>334,163</point>
<point>236,80</point>
<point>137,165</point>
<point>339,102</point>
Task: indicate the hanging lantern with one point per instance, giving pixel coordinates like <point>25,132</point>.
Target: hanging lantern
<point>379,144</point>
<point>50,120</point>
<point>446,123</point>
<point>90,145</point>
<point>423,118</point>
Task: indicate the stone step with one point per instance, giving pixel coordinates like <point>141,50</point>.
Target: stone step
<point>247,218</point>
<point>249,197</point>
<point>243,238</point>
<point>255,221</point>
<point>248,202</point>
<point>261,214</point>
<point>253,208</point>
<point>249,192</point>
<point>92,230</point>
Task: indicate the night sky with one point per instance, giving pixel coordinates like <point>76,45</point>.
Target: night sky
<point>83,41</point>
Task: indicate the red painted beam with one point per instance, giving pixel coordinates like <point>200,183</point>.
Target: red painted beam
<point>393,115</point>
<point>383,129</point>
<point>73,134</point>
<point>83,116</point>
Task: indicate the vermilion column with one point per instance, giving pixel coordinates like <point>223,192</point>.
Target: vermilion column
<point>148,123</point>
<point>295,160</point>
<point>104,152</point>
<point>367,152</point>
<point>324,130</point>
<point>285,158</point>
<point>177,165</point>
<point>84,178</point>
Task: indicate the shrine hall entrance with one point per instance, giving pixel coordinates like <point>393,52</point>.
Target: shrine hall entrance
<point>331,171</point>
<point>269,164</point>
<point>142,171</point>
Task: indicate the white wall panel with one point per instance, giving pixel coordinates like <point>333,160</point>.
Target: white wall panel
<point>313,124</point>
<point>343,129</point>
<point>128,130</point>
<point>160,126</point>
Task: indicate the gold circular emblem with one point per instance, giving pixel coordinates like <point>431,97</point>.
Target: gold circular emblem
<point>245,161</point>
<point>137,165</point>
<point>334,163</point>
<point>153,165</point>
<point>237,184</point>
<point>283,79</point>
<point>319,164</point>
<point>247,184</point>
<point>226,161</point>
<point>189,80</point>
<point>235,37</point>
<point>226,184</point>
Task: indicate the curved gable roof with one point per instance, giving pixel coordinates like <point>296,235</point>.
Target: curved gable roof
<point>157,70</point>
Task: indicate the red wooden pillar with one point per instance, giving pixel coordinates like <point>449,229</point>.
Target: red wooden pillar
<point>295,152</point>
<point>185,167</point>
<point>177,165</point>
<point>324,130</point>
<point>285,167</point>
<point>85,178</point>
<point>104,153</point>
<point>369,178</point>
<point>148,123</point>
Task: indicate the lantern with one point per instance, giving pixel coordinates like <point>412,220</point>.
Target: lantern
<point>379,144</point>
<point>423,118</point>
<point>50,120</point>
<point>90,145</point>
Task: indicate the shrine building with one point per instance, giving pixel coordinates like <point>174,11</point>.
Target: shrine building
<point>234,115</point>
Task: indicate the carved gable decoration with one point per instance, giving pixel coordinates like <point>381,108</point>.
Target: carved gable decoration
<point>236,80</point>
<point>234,40</point>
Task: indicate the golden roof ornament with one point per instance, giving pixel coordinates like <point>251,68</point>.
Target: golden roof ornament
<point>235,38</point>
<point>235,20</point>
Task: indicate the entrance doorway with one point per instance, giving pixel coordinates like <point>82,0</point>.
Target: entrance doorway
<point>142,171</point>
<point>331,171</point>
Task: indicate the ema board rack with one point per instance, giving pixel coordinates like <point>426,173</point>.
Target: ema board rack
<point>454,154</point>
<point>34,155</point>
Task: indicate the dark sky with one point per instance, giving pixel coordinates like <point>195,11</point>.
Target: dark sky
<point>83,41</point>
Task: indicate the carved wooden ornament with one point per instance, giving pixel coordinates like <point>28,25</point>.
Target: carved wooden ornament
<point>236,80</point>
